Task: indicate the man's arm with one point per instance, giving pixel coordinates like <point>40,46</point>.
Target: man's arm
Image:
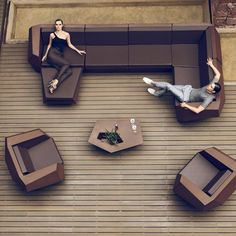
<point>217,73</point>
<point>191,108</point>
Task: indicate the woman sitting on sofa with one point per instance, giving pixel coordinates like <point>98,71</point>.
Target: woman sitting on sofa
<point>54,55</point>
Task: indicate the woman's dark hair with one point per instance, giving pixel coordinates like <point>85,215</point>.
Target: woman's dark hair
<point>59,20</point>
<point>217,87</point>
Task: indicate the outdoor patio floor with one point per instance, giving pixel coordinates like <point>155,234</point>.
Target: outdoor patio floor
<point>129,193</point>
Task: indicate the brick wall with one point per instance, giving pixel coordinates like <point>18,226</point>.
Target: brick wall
<point>222,15</point>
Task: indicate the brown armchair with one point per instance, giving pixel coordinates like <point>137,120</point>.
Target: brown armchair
<point>207,180</point>
<point>33,160</point>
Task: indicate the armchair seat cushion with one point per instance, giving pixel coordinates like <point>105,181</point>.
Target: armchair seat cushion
<point>44,154</point>
<point>200,171</point>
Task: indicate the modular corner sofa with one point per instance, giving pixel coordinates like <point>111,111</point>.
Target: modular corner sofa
<point>207,180</point>
<point>180,49</point>
<point>33,160</point>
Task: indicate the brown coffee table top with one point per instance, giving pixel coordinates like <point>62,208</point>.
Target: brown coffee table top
<point>128,136</point>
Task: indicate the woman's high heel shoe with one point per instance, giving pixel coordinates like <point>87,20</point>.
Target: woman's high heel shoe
<point>50,83</point>
<point>51,89</point>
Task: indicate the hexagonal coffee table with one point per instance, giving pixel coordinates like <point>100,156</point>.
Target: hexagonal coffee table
<point>129,137</point>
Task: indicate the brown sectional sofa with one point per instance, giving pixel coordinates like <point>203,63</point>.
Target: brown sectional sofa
<point>180,49</point>
<point>207,180</point>
<point>33,160</point>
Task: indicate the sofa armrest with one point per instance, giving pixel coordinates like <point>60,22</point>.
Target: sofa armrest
<point>201,196</point>
<point>212,106</point>
<point>221,157</point>
<point>20,138</point>
<point>35,47</point>
<point>44,177</point>
<point>216,182</point>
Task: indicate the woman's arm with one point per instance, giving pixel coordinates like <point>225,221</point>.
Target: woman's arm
<point>49,46</point>
<point>72,46</point>
<point>217,73</point>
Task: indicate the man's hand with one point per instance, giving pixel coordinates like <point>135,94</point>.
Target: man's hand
<point>44,58</point>
<point>183,104</point>
<point>216,71</point>
<point>209,61</point>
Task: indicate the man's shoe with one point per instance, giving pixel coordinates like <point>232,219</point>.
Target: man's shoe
<point>148,81</point>
<point>156,93</point>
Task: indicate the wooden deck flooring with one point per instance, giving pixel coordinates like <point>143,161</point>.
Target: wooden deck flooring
<point>129,193</point>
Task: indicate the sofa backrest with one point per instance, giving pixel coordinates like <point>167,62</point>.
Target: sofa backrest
<point>150,34</point>
<point>217,181</point>
<point>182,34</point>
<point>209,46</point>
<point>106,35</point>
<point>77,34</point>
<point>35,141</point>
<point>23,159</point>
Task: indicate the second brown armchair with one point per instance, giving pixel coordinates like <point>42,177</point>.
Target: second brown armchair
<point>207,180</point>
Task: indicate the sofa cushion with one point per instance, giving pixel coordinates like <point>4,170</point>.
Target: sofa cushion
<point>106,58</point>
<point>150,34</point>
<point>150,56</point>
<point>186,76</point>
<point>106,47</point>
<point>106,35</point>
<point>185,55</point>
<point>67,92</point>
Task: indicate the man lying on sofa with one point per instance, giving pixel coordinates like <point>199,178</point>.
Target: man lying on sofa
<point>186,93</point>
